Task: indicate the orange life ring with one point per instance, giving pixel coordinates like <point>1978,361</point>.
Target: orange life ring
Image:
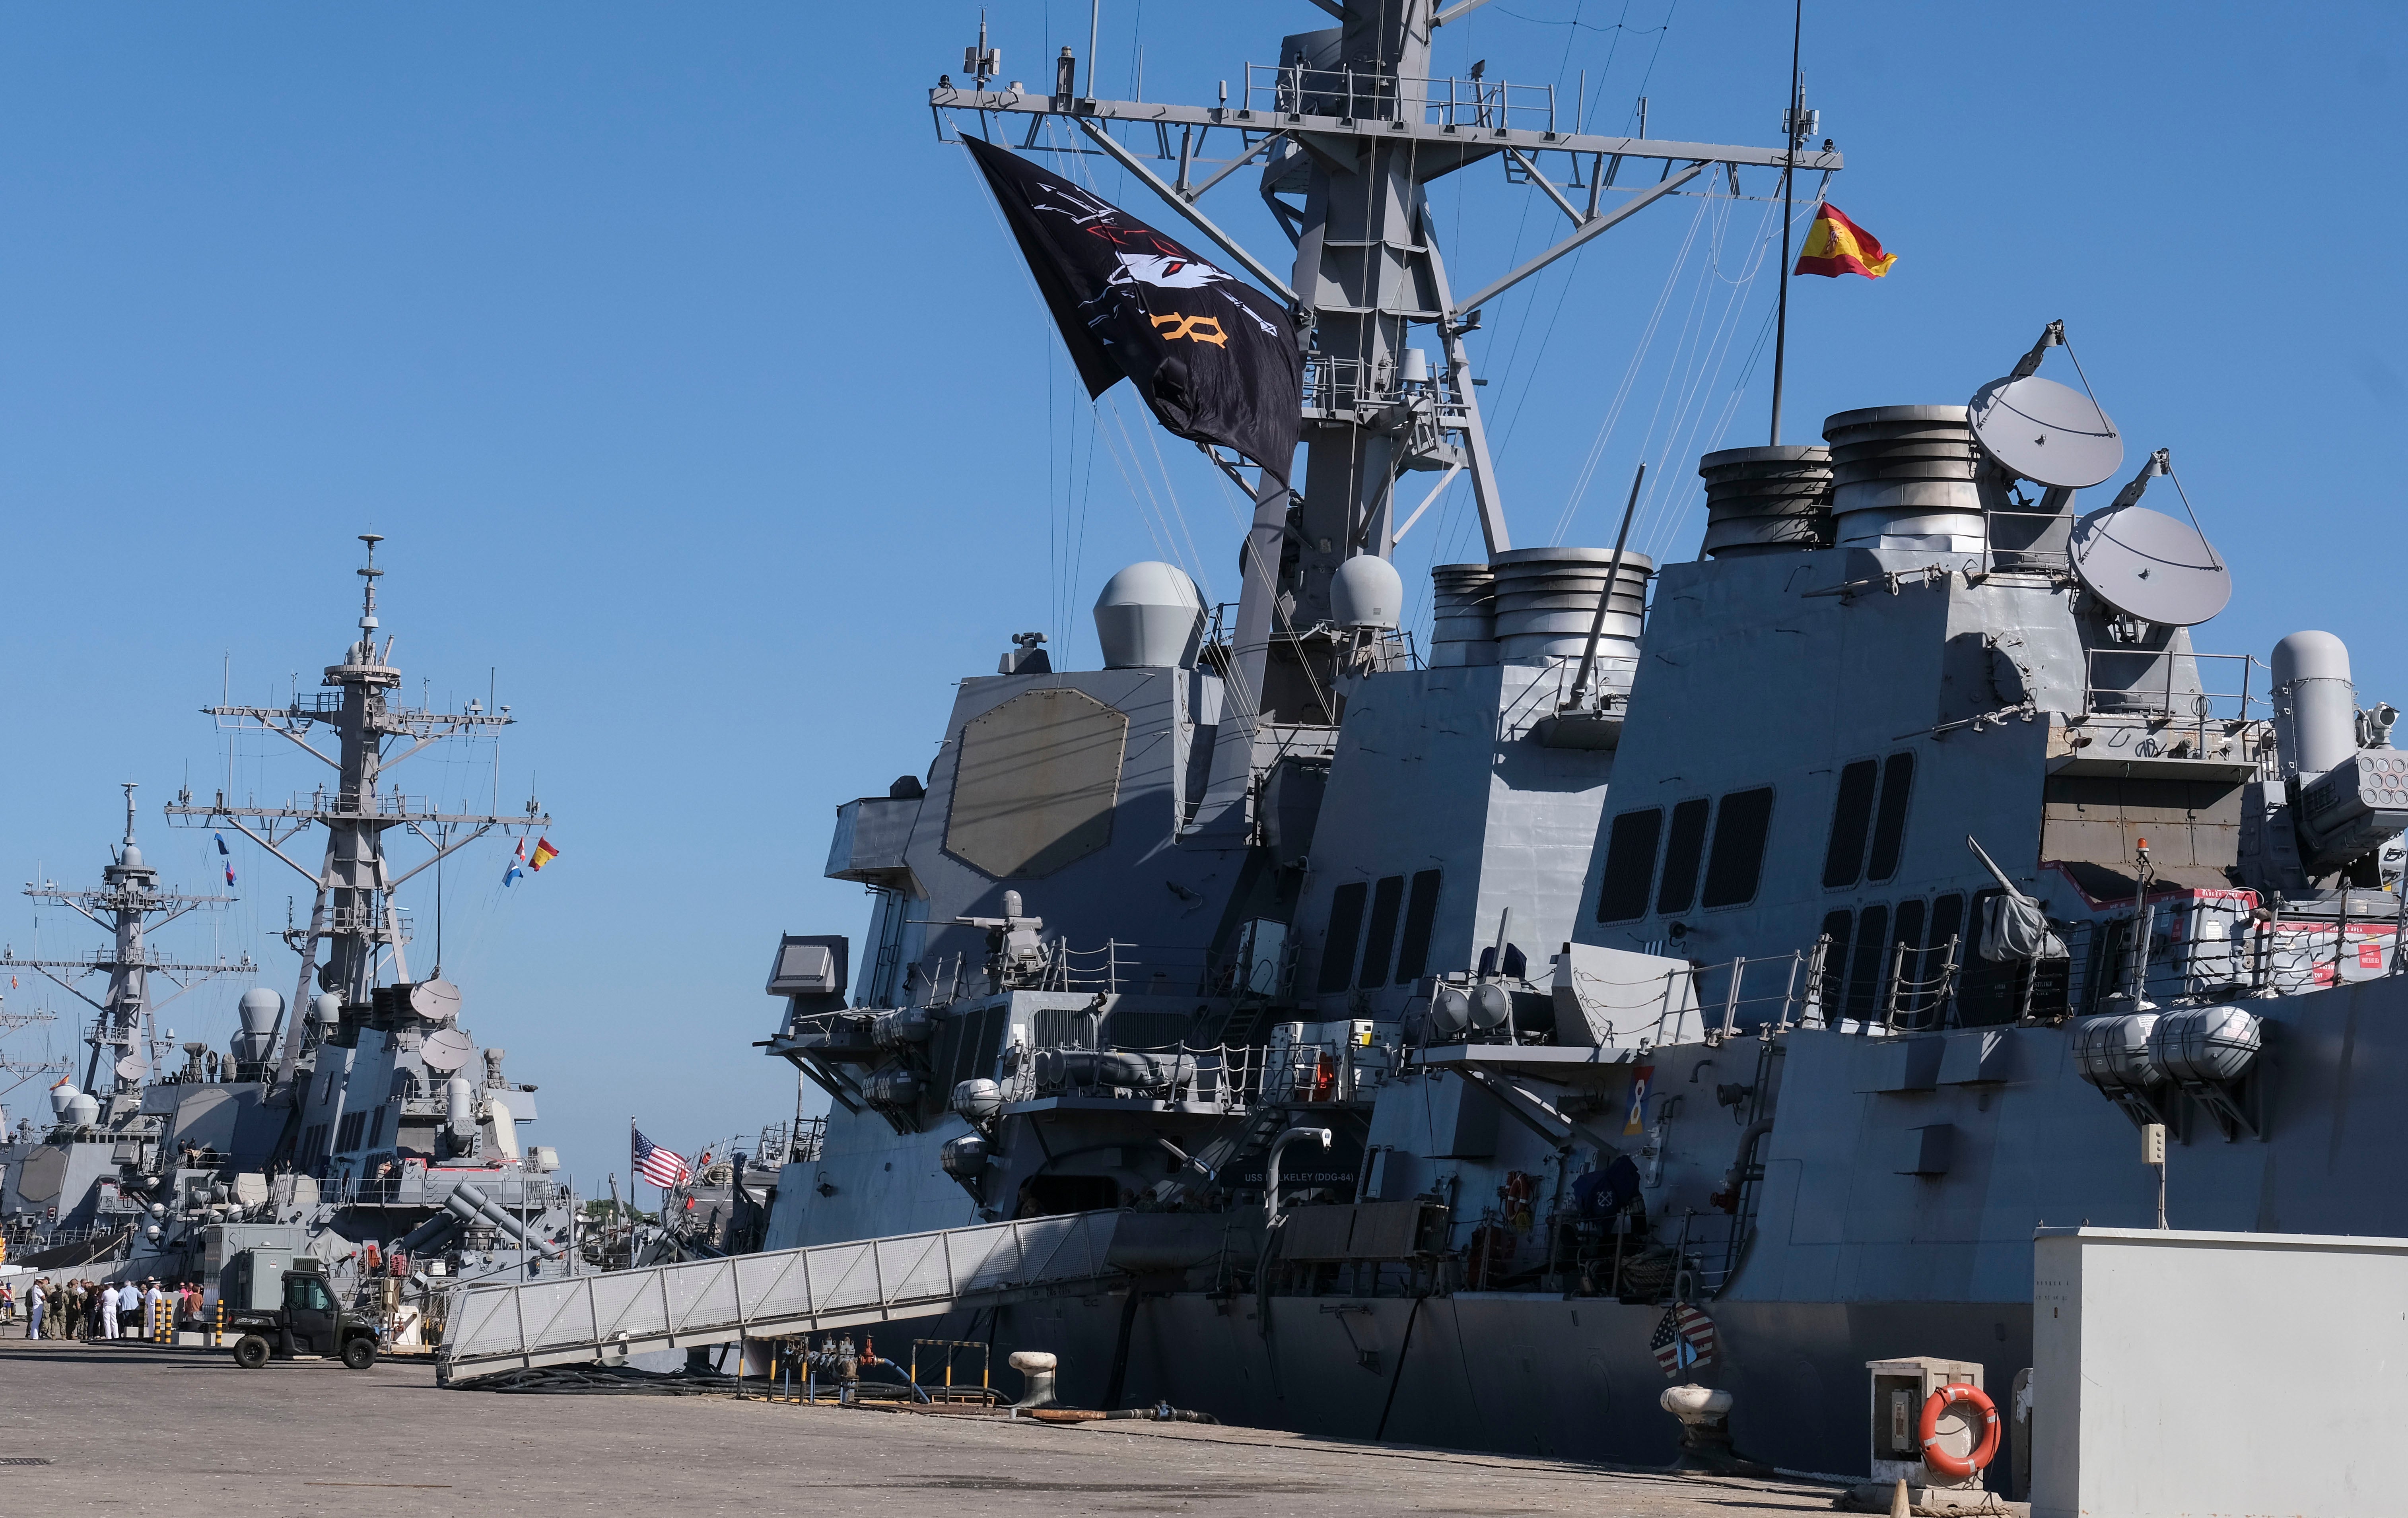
<point>1928,1431</point>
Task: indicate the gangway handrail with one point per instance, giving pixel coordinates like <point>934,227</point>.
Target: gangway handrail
<point>573,1319</point>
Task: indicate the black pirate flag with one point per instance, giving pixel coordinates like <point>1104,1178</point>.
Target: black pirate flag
<point>1215,359</point>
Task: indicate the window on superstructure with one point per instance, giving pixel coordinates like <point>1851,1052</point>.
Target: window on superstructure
<point>1865,963</point>
<point>1421,916</point>
<point>1948,921</point>
<point>1345,929</point>
<point>1629,865</point>
<point>1684,848</point>
<point>1735,863</point>
<point>1889,821</point>
<point>1387,900</point>
<point>1852,816</point>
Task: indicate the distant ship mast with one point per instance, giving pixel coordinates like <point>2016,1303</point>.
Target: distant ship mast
<point>354,915</point>
<point>120,1035</point>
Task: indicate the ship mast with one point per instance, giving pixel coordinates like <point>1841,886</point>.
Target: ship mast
<point>1351,129</point>
<point>129,897</point>
<point>354,916</point>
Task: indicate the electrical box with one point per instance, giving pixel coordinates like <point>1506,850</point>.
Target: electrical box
<point>1900,1387</point>
<point>259,1279</point>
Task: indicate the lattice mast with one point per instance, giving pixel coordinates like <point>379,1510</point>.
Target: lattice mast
<point>354,916</point>
<point>121,1035</point>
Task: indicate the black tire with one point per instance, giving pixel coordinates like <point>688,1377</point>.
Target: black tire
<point>250,1352</point>
<point>359,1354</point>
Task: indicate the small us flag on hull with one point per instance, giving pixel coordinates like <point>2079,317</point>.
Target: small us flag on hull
<point>1665,1345</point>
<point>1684,1337</point>
<point>663,1168</point>
<point>1697,1332</point>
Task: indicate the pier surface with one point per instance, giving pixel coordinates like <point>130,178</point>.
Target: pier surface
<point>136,1429</point>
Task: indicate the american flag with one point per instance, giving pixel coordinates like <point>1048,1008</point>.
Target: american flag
<point>1666,1344</point>
<point>1684,1333</point>
<point>1697,1332</point>
<point>663,1168</point>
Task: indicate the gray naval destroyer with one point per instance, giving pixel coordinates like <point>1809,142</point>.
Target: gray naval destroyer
<point>1783,933</point>
<point>368,1126</point>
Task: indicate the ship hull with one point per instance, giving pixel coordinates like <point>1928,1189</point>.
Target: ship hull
<point>1555,1376</point>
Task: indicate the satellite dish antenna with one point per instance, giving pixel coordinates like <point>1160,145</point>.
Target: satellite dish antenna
<point>446,1050</point>
<point>438,1001</point>
<point>132,1068</point>
<point>2044,432</point>
<point>2147,565</point>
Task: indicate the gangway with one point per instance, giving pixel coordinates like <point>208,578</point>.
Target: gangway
<point>572,1319</point>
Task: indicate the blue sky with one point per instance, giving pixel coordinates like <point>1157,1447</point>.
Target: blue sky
<point>704,407</point>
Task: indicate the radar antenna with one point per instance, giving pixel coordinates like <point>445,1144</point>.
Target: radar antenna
<point>2147,565</point>
<point>2039,430</point>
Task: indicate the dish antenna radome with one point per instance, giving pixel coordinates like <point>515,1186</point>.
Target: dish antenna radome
<point>2147,565</point>
<point>2044,432</point>
<point>438,1001</point>
<point>446,1050</point>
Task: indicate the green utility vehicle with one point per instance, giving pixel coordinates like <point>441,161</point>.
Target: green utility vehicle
<point>277,1306</point>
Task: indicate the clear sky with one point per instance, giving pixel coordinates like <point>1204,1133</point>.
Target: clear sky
<point>710,418</point>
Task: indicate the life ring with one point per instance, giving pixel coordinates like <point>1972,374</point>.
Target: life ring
<point>1928,1431</point>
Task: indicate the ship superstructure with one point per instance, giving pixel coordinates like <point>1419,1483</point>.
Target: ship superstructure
<point>1784,935</point>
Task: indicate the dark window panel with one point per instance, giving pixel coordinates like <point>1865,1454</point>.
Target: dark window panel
<point>1421,915</point>
<point>1345,929</point>
<point>1629,865</point>
<point>1684,848</point>
<point>1852,816</point>
<point>1889,827</point>
<point>1387,900</point>
<point>1737,861</point>
<point>1865,965</point>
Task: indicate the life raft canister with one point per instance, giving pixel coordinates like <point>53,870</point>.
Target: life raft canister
<point>1928,1431</point>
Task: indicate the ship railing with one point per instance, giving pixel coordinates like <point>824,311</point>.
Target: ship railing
<point>790,1143</point>
<point>1322,1073</point>
<point>1354,94</point>
<point>419,1191</point>
<point>1333,384</point>
<point>2172,684</point>
<point>1741,994</point>
<point>1911,987</point>
<point>1116,967</point>
<point>1213,1076</point>
<point>1231,1078</point>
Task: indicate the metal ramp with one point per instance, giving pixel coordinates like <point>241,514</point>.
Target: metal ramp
<point>567,1320</point>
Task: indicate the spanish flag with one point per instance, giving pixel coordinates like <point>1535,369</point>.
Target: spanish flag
<point>544,855</point>
<point>1837,245</point>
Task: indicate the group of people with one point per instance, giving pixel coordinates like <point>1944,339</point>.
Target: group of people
<point>99,1310</point>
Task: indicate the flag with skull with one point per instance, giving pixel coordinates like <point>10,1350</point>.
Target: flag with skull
<point>1215,359</point>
